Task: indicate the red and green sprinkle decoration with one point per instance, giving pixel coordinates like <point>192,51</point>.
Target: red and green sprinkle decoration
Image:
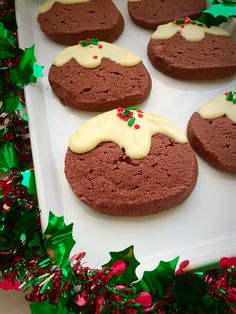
<point>186,20</point>
<point>231,96</point>
<point>127,114</point>
<point>89,41</point>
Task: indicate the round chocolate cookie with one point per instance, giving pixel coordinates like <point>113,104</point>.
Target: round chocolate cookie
<point>110,181</point>
<point>114,184</point>
<point>69,23</point>
<point>151,13</point>
<point>214,140</point>
<point>107,86</point>
<point>194,60</point>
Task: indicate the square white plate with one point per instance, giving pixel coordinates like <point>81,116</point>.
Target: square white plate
<point>202,229</point>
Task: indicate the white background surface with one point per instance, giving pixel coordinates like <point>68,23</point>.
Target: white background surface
<point>202,229</point>
<point>206,218</point>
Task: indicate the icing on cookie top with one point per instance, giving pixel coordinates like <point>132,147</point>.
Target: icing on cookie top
<point>190,30</point>
<point>130,128</point>
<point>48,4</point>
<point>90,56</point>
<point>220,106</point>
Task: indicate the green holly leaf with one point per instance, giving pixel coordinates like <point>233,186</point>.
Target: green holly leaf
<point>221,10</point>
<point>209,20</point>
<point>11,104</point>
<point>27,71</point>
<point>6,38</point>
<point>156,281</point>
<point>6,54</point>
<point>127,256</point>
<point>59,242</point>
<point>8,157</point>
<point>29,181</point>
<point>37,73</point>
<point>47,308</point>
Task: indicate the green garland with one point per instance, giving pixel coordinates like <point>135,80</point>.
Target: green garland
<point>38,263</point>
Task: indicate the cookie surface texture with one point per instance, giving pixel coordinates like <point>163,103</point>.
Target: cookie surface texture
<point>151,13</point>
<point>202,56</point>
<point>102,86</point>
<point>68,23</point>
<point>110,181</point>
<point>214,139</point>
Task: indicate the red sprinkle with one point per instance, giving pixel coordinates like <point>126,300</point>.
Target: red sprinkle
<point>100,46</point>
<point>182,26</point>
<point>140,115</point>
<point>137,126</point>
<point>120,109</point>
<point>88,39</point>
<point>95,57</point>
<point>226,93</point>
<point>139,110</point>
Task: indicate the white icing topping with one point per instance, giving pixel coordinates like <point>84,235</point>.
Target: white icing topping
<point>218,107</point>
<point>107,127</point>
<point>134,0</point>
<point>91,56</point>
<point>48,4</point>
<point>190,32</point>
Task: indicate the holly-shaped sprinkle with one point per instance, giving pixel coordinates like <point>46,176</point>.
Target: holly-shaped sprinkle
<point>231,96</point>
<point>127,116</point>
<point>89,41</point>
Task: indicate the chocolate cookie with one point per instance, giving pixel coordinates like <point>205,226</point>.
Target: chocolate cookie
<point>122,163</point>
<point>193,52</point>
<point>212,133</point>
<point>88,80</point>
<point>68,23</point>
<point>151,13</point>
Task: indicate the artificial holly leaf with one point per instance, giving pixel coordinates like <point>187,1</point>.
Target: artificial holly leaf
<point>47,308</point>
<point>6,37</point>
<point>8,157</point>
<point>127,256</point>
<point>11,104</point>
<point>37,72</point>
<point>26,71</point>
<point>59,241</point>
<point>29,181</point>
<point>221,10</point>
<point>5,54</point>
<point>209,20</point>
<point>156,281</point>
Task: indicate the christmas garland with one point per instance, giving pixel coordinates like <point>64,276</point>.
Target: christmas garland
<point>39,264</point>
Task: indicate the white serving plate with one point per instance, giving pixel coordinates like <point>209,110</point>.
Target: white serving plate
<point>202,229</point>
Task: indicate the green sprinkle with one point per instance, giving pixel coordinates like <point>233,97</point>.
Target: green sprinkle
<point>131,122</point>
<point>132,108</point>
